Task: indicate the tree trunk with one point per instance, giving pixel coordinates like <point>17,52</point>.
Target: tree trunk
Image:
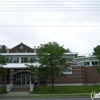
<point>0,81</point>
<point>52,83</point>
<point>52,79</point>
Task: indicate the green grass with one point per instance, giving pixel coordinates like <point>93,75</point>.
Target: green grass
<point>2,89</point>
<point>66,89</point>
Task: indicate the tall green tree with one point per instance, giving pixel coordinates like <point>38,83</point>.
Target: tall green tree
<point>2,49</point>
<point>97,54</point>
<point>2,60</point>
<point>52,61</point>
<point>3,71</point>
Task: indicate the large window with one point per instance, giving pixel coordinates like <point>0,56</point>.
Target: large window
<point>24,59</point>
<point>68,71</point>
<point>18,79</point>
<point>42,79</point>
<point>12,60</point>
<point>86,63</point>
<point>95,63</point>
<point>80,63</point>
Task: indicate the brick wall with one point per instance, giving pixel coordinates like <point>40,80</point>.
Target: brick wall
<point>91,75</point>
<point>79,74</point>
<point>11,75</point>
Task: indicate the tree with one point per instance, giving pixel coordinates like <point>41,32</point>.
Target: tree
<point>2,60</point>
<point>52,61</point>
<point>97,54</point>
<point>2,49</point>
<point>3,71</point>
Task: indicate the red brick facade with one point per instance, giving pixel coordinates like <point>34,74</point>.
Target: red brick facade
<point>11,75</point>
<point>91,75</point>
<point>36,78</point>
<point>79,74</point>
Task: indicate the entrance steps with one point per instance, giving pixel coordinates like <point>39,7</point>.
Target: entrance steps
<point>20,88</point>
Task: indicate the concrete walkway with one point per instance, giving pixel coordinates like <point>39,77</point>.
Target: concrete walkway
<point>17,94</point>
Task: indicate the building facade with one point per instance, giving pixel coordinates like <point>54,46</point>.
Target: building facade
<point>87,61</point>
<point>20,74</point>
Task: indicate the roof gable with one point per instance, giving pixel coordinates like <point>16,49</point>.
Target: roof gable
<point>21,48</point>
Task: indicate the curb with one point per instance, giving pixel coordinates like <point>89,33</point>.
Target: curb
<point>73,95</point>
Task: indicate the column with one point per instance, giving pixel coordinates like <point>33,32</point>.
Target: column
<point>11,75</point>
<point>36,78</point>
<point>90,63</point>
<point>19,59</point>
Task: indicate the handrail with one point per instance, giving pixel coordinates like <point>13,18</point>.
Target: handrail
<point>9,87</point>
<point>31,87</point>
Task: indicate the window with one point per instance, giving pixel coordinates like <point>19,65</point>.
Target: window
<point>9,60</point>
<point>86,63</point>
<point>95,63</point>
<point>15,60</point>
<point>12,60</point>
<point>68,71</point>
<point>80,63</point>
<point>24,60</point>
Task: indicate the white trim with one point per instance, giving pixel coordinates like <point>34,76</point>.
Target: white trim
<point>20,65</point>
<point>14,54</point>
<point>7,54</point>
<point>85,57</point>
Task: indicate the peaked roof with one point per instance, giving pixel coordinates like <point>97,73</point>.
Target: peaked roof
<point>21,48</point>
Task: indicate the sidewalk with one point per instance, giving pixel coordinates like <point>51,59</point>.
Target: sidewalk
<point>29,95</point>
<point>18,94</point>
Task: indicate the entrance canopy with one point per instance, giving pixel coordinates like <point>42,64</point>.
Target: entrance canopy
<point>19,65</point>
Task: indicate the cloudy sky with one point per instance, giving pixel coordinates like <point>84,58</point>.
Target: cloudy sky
<point>72,23</point>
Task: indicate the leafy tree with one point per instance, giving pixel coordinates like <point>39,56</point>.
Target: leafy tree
<point>3,71</point>
<point>2,60</point>
<point>2,49</point>
<point>52,61</point>
<point>97,54</point>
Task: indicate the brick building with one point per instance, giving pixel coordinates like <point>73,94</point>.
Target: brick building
<point>19,74</point>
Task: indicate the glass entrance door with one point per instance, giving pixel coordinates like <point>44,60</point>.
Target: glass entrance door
<point>26,79</point>
<point>23,79</point>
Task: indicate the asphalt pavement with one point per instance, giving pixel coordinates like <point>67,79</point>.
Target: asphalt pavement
<point>52,99</point>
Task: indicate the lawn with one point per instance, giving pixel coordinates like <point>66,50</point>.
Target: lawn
<point>66,89</point>
<point>2,89</point>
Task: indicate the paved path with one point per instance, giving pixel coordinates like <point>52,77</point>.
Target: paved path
<point>17,94</point>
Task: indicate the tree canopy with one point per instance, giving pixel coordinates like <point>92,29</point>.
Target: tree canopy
<point>97,54</point>
<point>2,60</point>
<point>3,71</point>
<point>52,60</point>
<point>2,49</point>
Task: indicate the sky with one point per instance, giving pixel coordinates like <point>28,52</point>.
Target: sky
<point>72,23</point>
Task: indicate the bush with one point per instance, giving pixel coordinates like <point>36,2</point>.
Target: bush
<point>2,89</point>
<point>35,83</point>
